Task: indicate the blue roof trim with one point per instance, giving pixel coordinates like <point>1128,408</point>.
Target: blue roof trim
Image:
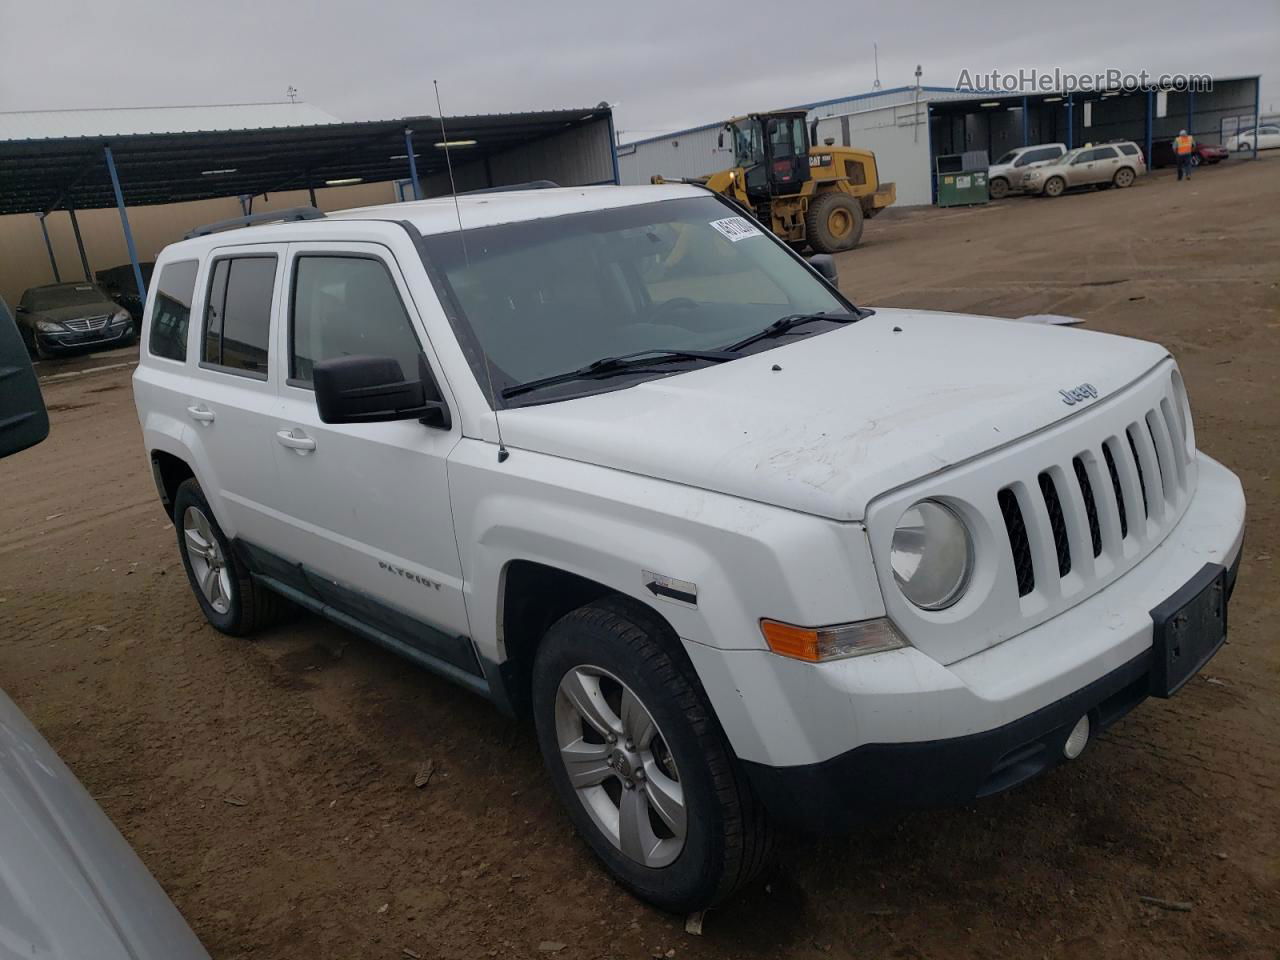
<point>801,106</point>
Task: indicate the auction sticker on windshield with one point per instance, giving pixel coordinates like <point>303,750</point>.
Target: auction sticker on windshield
<point>735,228</point>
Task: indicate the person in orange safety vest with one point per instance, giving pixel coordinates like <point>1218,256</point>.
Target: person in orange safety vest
<point>1184,146</point>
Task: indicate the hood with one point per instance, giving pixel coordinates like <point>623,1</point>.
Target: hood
<point>70,886</point>
<point>851,414</point>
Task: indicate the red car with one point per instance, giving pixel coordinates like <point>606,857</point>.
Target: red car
<point>1162,154</point>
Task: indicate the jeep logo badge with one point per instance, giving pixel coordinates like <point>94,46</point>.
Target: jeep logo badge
<point>1086,391</point>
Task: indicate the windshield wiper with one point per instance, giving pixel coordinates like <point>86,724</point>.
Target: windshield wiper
<point>783,324</point>
<point>608,366</point>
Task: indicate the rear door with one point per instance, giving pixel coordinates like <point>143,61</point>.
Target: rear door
<point>366,504</point>
<point>230,400</point>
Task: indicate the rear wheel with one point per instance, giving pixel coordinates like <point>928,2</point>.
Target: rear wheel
<point>1123,178</point>
<point>834,222</point>
<point>638,758</point>
<point>999,188</point>
<point>227,594</point>
<point>1054,187</point>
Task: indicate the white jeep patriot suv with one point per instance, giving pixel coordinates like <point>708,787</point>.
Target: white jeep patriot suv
<point>620,461</point>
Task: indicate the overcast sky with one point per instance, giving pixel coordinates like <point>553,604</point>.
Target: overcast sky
<point>694,63</point>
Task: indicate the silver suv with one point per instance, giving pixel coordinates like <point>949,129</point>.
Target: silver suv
<point>1005,175</point>
<point>1105,165</point>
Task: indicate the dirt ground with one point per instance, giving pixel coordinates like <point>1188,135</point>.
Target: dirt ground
<point>269,784</point>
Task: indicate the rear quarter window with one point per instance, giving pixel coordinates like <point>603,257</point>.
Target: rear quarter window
<point>171,314</point>
<point>1128,149</point>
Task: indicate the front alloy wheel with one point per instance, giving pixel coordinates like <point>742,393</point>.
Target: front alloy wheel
<point>639,760</point>
<point>620,766</point>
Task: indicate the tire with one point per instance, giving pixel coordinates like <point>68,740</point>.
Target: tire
<point>1124,178</point>
<point>237,606</point>
<point>616,650</point>
<point>1244,148</point>
<point>1054,187</point>
<point>999,188</point>
<point>834,222</point>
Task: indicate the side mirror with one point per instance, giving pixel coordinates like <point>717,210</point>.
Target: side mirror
<point>364,389</point>
<point>21,309</point>
<point>23,419</point>
<point>825,264</point>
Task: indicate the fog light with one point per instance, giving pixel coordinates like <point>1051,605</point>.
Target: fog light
<point>1077,739</point>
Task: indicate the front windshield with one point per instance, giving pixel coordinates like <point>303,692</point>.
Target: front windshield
<point>66,295</point>
<point>1007,158</point>
<point>748,145</point>
<point>544,297</point>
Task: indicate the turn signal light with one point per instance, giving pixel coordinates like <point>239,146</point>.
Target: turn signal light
<point>817,644</point>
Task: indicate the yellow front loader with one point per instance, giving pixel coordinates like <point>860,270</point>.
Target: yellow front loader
<point>809,196</point>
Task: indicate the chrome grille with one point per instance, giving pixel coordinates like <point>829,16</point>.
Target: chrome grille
<point>86,324</point>
<point>1095,509</point>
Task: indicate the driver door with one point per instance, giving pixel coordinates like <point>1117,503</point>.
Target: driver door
<point>366,505</point>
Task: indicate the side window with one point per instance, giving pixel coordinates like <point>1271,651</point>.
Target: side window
<point>237,321</point>
<point>171,314</point>
<point>1105,153</point>
<point>1128,149</point>
<point>347,306</point>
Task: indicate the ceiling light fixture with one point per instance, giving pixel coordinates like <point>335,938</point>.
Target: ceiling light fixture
<point>455,143</point>
<point>214,173</point>
<point>345,182</point>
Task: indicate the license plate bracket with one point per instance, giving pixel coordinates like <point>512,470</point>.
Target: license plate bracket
<point>1188,629</point>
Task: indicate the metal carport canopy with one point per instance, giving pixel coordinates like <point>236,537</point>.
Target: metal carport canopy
<point>42,175</point>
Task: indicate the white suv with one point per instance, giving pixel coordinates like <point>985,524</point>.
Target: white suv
<point>620,461</point>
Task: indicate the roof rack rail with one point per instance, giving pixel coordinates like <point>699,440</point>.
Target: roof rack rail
<point>512,187</point>
<point>273,216</point>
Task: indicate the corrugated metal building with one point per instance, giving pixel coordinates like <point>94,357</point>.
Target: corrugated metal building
<point>907,127</point>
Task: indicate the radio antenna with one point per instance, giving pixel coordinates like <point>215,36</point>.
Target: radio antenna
<point>503,453</point>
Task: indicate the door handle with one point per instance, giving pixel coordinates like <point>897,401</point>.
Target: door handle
<point>303,445</point>
<point>199,414</point>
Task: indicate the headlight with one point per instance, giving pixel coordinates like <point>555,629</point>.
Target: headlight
<point>48,326</point>
<point>932,555</point>
<point>119,317</point>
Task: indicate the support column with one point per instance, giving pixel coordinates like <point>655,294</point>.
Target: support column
<point>1191,111</point>
<point>1071,123</point>
<point>311,192</point>
<point>1151,113</point>
<point>1257,115</point>
<point>75,228</point>
<point>413,164</point>
<point>124,223</point>
<point>1026,123</point>
<point>53,261</point>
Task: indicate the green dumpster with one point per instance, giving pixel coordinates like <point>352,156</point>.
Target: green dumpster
<point>960,181</point>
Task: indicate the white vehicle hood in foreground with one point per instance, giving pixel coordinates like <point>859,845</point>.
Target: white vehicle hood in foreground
<point>852,413</point>
<point>70,886</point>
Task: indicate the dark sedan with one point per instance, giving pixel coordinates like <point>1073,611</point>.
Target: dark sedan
<point>63,317</point>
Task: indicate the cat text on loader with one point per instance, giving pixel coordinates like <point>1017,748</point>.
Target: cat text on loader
<point>819,197</point>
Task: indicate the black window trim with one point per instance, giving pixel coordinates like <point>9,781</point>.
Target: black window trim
<point>151,318</point>
<point>204,322</point>
<point>290,379</point>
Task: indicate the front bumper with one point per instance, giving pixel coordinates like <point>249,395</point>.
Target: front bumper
<point>881,778</point>
<point>71,340</point>
<point>898,729</point>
